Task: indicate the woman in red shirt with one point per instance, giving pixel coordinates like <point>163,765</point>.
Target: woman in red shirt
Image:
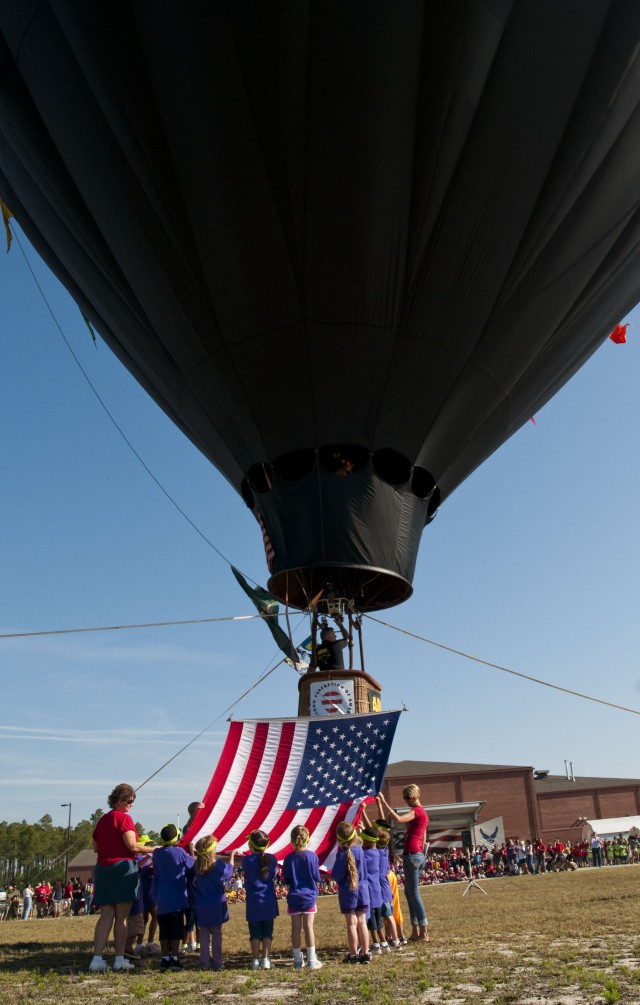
<point>116,875</point>
<point>413,857</point>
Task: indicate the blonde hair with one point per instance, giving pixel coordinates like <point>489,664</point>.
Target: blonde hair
<point>206,853</point>
<point>384,837</point>
<point>411,792</point>
<point>299,837</point>
<point>259,842</point>
<point>346,835</point>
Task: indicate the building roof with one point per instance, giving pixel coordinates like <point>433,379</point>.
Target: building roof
<point>543,784</point>
<point>86,857</point>
<point>560,783</point>
<point>406,769</point>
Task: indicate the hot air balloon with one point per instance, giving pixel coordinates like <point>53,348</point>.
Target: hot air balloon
<point>349,248</point>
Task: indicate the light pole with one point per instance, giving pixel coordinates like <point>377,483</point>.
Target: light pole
<point>66,858</point>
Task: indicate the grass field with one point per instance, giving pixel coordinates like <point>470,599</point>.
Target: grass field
<point>559,939</point>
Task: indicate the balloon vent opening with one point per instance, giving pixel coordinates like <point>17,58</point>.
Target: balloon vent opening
<point>366,588</point>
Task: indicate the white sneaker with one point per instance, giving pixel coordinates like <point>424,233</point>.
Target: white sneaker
<point>255,964</point>
<point>265,964</point>
<point>98,966</point>
<point>124,965</point>
<point>314,965</point>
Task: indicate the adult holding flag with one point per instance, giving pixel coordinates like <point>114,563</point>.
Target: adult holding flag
<point>413,856</point>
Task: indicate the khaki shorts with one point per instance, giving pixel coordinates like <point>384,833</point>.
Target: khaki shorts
<point>135,924</point>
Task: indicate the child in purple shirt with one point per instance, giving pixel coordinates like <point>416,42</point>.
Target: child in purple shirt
<point>350,873</point>
<point>211,874</point>
<point>369,838</point>
<point>173,871</point>
<point>301,871</point>
<point>262,905</point>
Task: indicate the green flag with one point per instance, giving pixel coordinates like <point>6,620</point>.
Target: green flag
<point>268,608</point>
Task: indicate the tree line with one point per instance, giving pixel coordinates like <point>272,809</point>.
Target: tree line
<point>31,852</point>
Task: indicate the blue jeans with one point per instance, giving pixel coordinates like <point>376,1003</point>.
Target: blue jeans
<point>412,865</point>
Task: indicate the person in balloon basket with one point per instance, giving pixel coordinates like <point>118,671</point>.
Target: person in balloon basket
<point>301,872</point>
<point>330,652</point>
<point>210,877</point>
<point>350,873</point>
<point>259,870</point>
<point>173,871</point>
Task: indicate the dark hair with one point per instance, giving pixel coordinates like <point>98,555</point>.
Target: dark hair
<point>120,793</point>
<point>169,833</point>
<point>370,835</point>
<point>260,841</point>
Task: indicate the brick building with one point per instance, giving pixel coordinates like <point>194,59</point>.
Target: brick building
<point>530,803</point>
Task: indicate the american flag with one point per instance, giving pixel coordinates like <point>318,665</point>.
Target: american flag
<point>276,773</point>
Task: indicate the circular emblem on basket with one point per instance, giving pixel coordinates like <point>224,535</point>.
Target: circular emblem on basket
<point>332,697</point>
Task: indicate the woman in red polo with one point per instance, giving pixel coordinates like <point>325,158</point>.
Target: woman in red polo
<point>413,857</point>
<point>116,875</point>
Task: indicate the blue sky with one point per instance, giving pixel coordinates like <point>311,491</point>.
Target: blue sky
<point>531,564</point>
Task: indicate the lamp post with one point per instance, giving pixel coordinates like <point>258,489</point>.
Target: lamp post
<point>66,858</point>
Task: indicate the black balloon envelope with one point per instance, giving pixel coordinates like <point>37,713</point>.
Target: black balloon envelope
<point>349,247</point>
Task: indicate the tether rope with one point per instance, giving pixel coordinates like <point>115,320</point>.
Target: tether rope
<point>497,666</point>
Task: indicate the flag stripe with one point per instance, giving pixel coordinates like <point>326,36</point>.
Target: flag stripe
<point>216,785</point>
<point>267,784</point>
<point>242,776</point>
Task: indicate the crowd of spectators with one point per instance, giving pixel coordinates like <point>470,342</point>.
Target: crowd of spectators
<point>47,900</point>
<point>526,857</point>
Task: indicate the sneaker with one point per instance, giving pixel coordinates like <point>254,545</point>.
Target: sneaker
<point>98,966</point>
<point>298,964</point>
<point>364,958</point>
<point>265,964</point>
<point>396,945</point>
<point>175,964</point>
<point>374,948</point>
<point>403,941</point>
<point>165,964</point>
<point>385,947</point>
<point>350,959</point>
<point>124,965</point>
<point>314,965</point>
<point>255,964</point>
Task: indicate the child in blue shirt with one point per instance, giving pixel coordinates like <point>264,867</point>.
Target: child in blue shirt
<point>211,874</point>
<point>301,871</point>
<point>173,870</point>
<point>262,905</point>
<point>369,838</point>
<point>350,873</point>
